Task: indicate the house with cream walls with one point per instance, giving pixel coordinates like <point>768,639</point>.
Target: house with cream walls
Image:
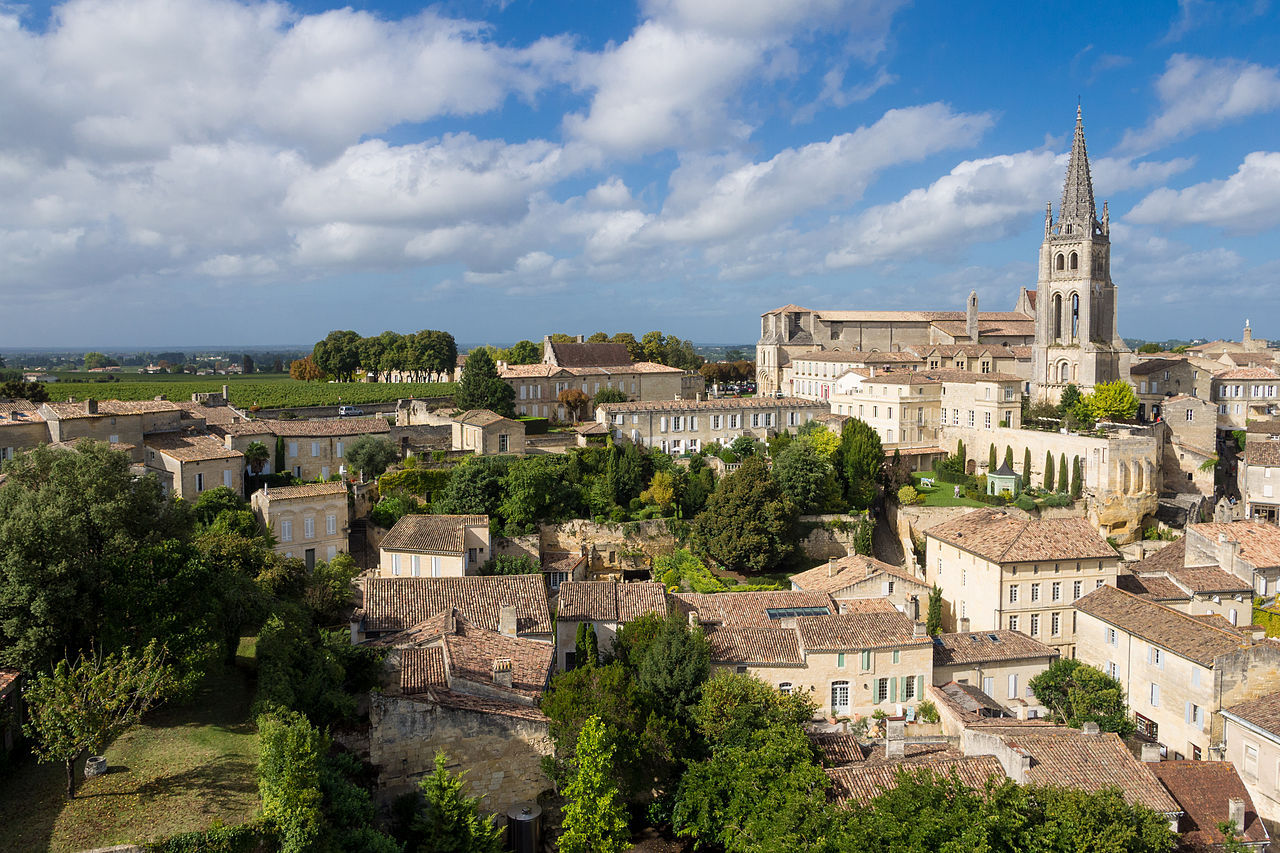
<point>999,663</point>
<point>435,546</point>
<point>189,463</point>
<point>1251,742</point>
<point>314,449</point>
<point>605,606</point>
<point>857,577</point>
<point>310,521</point>
<point>1258,472</point>
<point>487,433</point>
<point>687,426</point>
<point>1250,550</point>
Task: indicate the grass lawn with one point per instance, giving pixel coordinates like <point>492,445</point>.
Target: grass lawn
<point>185,767</point>
<point>941,495</point>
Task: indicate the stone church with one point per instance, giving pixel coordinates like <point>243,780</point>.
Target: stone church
<point>1067,324</point>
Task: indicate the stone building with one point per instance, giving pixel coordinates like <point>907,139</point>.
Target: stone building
<point>1251,742</point>
<point>310,521</point>
<point>1157,379</point>
<point>1001,570</point>
<point>1000,663</point>
<point>515,605</point>
<point>605,606</point>
<point>435,546</point>
<point>857,577</point>
<point>1178,671</point>
<point>1190,453</point>
<point>1258,473</point>
<point>1209,794</point>
<point>22,427</point>
<point>687,426</point>
<point>313,450</point>
<point>1244,394</point>
<point>1250,550</point>
<point>1199,588</point>
<point>487,433</point>
<point>189,463</point>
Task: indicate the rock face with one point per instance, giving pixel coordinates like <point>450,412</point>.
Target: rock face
<point>1120,516</point>
<point>501,754</point>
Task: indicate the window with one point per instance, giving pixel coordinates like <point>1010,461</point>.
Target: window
<point>1194,715</point>
<point>226,478</point>
<point>338,450</point>
<point>1250,761</point>
<point>415,563</point>
<point>1098,585</point>
<point>839,696</point>
<point>113,439</point>
<point>1112,670</point>
<point>908,688</point>
<point>988,685</point>
<point>1191,416</point>
<point>1013,622</point>
<point>1035,624</point>
<point>897,656</point>
<point>785,688</point>
<point>971,417</point>
<point>866,661</point>
<point>1035,592</point>
<point>1075,590</point>
<point>1195,676</point>
<point>331,525</point>
<point>840,660</point>
<point>308,528</point>
<point>1055,625</point>
<point>1013,685</point>
<point>504,443</point>
<point>986,420</point>
<point>199,482</point>
<point>286,531</point>
<point>1055,593</point>
<point>1113,638</point>
<point>1155,657</point>
<point>1013,593</point>
<point>435,567</point>
<point>882,690</point>
<point>1155,695</point>
<point>293,448</point>
<point>315,448</point>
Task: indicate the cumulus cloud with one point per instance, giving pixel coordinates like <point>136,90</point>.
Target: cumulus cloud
<point>1200,94</point>
<point>1248,201</point>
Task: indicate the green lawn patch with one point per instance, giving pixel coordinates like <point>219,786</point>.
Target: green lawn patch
<point>273,393</point>
<point>942,494</point>
<point>186,767</point>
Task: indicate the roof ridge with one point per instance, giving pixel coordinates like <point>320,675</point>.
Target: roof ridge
<point>1186,617</point>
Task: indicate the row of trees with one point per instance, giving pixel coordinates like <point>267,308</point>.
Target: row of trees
<point>1109,401</point>
<point>421,354</point>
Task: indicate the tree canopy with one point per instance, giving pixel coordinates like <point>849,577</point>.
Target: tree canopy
<point>747,524</point>
<point>480,387</point>
<point>806,478</point>
<point>1077,693</point>
<point>860,460</point>
<point>371,455</point>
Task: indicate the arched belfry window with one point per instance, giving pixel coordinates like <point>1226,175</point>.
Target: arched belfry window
<point>1075,315</point>
<point>1061,261</point>
<point>1075,261</point>
<point>1057,316</point>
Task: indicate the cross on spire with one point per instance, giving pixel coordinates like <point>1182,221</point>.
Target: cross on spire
<point>1078,210</point>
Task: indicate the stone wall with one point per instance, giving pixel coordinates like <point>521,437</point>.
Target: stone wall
<point>501,755</point>
<point>1245,674</point>
<point>910,522</point>
<point>823,541</point>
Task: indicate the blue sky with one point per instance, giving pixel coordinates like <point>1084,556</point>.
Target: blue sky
<point>199,171</point>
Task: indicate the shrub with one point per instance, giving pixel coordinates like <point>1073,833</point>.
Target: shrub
<point>907,496</point>
<point>1057,499</point>
<point>217,839</point>
<point>535,426</point>
<point>508,564</point>
<point>927,712</point>
<point>1025,502</point>
<point>390,510</point>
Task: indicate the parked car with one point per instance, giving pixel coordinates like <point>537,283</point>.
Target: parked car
<point>349,411</point>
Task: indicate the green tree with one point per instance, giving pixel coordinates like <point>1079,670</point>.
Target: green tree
<point>634,348</point>
<point>450,821</point>
<point>1048,470</point>
<point>507,564</point>
<point>535,489</point>
<point>608,395</point>
<point>662,490</point>
<point>371,455</point>
<point>1077,479</point>
<point>1112,401</point>
<point>991,457</point>
<point>595,820</point>
<point>1149,347</point>
<point>1008,457</point>
<point>338,354</point>
<point>586,649</point>
<point>475,487</point>
<point>290,754</point>
<point>1070,397</point>
<point>246,364</point>
<point>1077,693</point>
<point>860,459</point>
<point>822,440</point>
<point>748,522</point>
<point>934,623</point>
<point>213,502</point>
<point>575,403</point>
<point>744,446</point>
<point>80,708</point>
<point>280,457</point>
<point>1026,467</point>
<point>94,360</point>
<point>1063,477</point>
<point>961,454</point>
<point>480,387</point>
<point>808,480</point>
<point>674,667</point>
<point>32,392</point>
<point>256,456</point>
<point>523,352</point>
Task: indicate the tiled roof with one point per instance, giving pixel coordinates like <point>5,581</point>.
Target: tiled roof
<point>306,490</point>
<point>743,609</point>
<point>422,670</point>
<point>1002,537</point>
<point>940,375</point>
<point>848,571</point>
<point>986,646</point>
<point>1263,712</point>
<point>1069,758</point>
<point>1171,556</point>
<point>606,601</point>
<point>1259,541</point>
<point>1267,427</point>
<point>1209,579</point>
<point>713,404</point>
<point>589,355</point>
<point>763,646</point>
<point>19,411</point>
<point>219,415</point>
<point>309,429</point>
<point>437,534</point>
<point>1163,626</point>
<point>1017,328</point>
<point>190,448</point>
<point>1247,373</point>
<point>8,678</point>
<point>859,784</point>
<point>472,651</point>
<point>1202,789</point>
<point>68,411</point>
<point>979,349</point>
<point>791,308</point>
<point>486,705</point>
<point>838,749</point>
<point>855,357</point>
<point>858,631</point>
<point>1154,587</point>
<point>968,701</point>
<point>878,604</point>
<point>1151,365</point>
<point>479,417</point>
<point>561,561</point>
<point>394,604</point>
<point>1262,452</point>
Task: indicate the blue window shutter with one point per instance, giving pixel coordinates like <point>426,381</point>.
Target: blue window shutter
<point>840,660</point>
<point>893,689</point>
<point>919,688</point>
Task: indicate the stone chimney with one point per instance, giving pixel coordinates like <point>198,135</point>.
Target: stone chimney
<point>91,406</point>
<point>502,672</point>
<point>226,394</point>
<point>1151,753</point>
<point>579,339</point>
<point>832,568</point>
<point>971,317</point>
<point>918,629</point>
<point>895,740</point>
<point>1091,728</point>
<point>1235,813</point>
<point>694,622</point>
<point>1228,554</point>
<point>507,620</point>
<point>915,607</point>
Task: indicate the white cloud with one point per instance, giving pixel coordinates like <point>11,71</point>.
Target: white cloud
<point>1248,201</point>
<point>1200,94</point>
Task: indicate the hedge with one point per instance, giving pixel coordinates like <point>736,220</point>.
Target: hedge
<point>244,838</point>
<point>535,426</point>
<point>423,482</point>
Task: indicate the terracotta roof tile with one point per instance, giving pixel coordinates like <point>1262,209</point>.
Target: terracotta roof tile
<point>70,411</point>
<point>1171,556</point>
<point>939,375</point>
<point>19,411</point>
<point>606,601</point>
<point>1248,373</point>
<point>1154,587</point>
<point>219,415</point>
<point>1263,712</point>
<point>1176,631</point>
<point>8,678</point>
<point>589,355</point>
<point>309,428</point>
<point>746,609</point>
<point>858,631</point>
<point>1259,541</point>
<point>472,651</point>
<point>423,669</point>
<point>867,605</point>
<point>838,749</point>
<point>1263,452</point>
<point>1202,789</point>
<point>1003,537</point>
<point>1209,579</point>
<point>394,604</point>
<point>714,404</point>
<point>860,784</point>
<point>987,646</point>
<point>437,534</point>
<point>485,705</point>
<point>849,570</point>
<point>306,490</point>
<point>190,448</point>
<point>751,645</point>
<point>968,702</point>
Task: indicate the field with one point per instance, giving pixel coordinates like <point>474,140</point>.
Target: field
<point>270,393</point>
<point>188,766</point>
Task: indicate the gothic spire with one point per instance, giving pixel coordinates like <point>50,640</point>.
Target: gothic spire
<point>1077,208</point>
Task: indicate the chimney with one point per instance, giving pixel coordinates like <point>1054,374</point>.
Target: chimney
<point>1151,753</point>
<point>507,620</point>
<point>226,395</point>
<point>1091,728</point>
<point>832,568</point>
<point>918,631</point>
<point>895,740</point>
<point>915,607</point>
<point>694,622</point>
<point>502,672</point>
<point>579,339</point>
<point>1235,813</point>
<point>91,406</point>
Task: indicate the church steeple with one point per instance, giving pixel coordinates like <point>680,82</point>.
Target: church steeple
<point>1078,215</point>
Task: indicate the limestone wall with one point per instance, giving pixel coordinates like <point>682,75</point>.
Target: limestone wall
<point>500,755</point>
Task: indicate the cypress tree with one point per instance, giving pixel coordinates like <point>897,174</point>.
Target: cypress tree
<point>1063,482</point>
<point>1026,468</point>
<point>960,452</point>
<point>991,457</point>
<point>586,651</point>
<point>1048,470</point>
<point>279,454</point>
<point>1008,456</point>
<point>1077,479</point>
